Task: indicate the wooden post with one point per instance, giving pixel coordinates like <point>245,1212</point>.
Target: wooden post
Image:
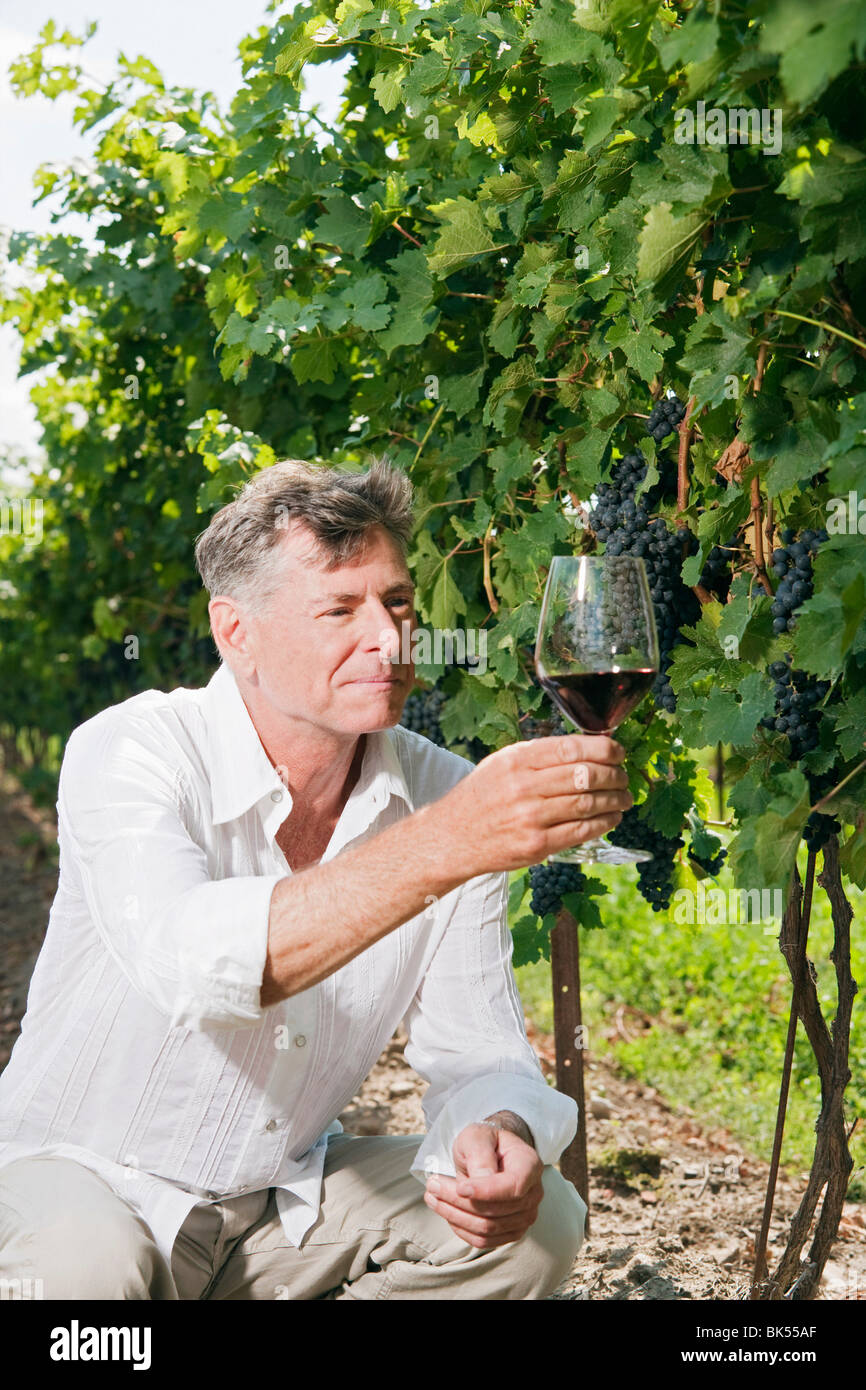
<point>568,1036</point>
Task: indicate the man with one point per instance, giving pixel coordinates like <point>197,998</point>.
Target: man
<point>258,881</point>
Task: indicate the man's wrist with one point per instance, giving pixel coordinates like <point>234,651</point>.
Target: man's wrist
<point>506,1119</point>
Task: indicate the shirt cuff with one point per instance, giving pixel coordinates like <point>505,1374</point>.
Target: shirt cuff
<point>551,1116</point>
<point>219,979</point>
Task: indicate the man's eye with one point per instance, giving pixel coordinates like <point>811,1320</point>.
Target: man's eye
<point>335,612</point>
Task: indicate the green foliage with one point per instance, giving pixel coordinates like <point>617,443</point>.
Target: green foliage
<point>489,267</point>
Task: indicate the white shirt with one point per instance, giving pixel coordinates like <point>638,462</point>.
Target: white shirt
<point>145,1052</point>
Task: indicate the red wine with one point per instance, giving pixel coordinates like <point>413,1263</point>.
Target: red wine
<point>597,701</point>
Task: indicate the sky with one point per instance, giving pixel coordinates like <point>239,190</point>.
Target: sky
<point>193,43</point>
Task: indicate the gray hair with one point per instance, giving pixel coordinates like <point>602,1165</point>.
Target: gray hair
<point>234,554</point>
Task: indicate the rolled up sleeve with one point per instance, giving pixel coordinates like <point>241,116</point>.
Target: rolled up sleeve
<point>194,946</point>
<point>467,1037</point>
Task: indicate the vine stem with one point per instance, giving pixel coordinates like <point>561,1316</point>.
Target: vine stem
<point>430,427</point>
<point>770,527</point>
<point>408,235</point>
<point>563,471</point>
<point>828,328</point>
<point>757,519</point>
<point>798,919</point>
<point>488,581</point>
<point>686,435</point>
<point>567,1027</point>
<point>833,790</point>
<point>794,1278</point>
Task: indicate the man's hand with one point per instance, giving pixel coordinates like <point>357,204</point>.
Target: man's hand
<point>537,796</point>
<point>497,1192</point>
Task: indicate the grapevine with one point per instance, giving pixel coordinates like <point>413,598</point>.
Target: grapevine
<point>421,714</point>
<point>792,563</point>
<point>625,525</point>
<point>654,876</point>
<point>549,882</point>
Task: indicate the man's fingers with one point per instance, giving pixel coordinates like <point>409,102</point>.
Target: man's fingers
<point>506,1207</point>
<point>569,834</point>
<point>491,1228</point>
<point>572,748</point>
<point>476,1147</point>
<point>514,1184</point>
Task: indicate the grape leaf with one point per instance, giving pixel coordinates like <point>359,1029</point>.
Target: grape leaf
<point>463,238</point>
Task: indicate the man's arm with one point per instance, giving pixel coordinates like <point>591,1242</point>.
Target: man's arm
<point>515,808</point>
<point>324,916</point>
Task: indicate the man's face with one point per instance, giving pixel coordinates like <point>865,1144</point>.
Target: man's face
<point>322,646</point>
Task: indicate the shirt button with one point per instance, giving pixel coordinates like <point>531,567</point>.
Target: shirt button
<point>300,1040</point>
<point>276,796</point>
<point>271,1124</point>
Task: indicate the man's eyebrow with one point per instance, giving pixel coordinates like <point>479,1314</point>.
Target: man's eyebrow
<point>403,586</point>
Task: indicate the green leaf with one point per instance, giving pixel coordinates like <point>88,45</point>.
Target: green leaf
<point>813,44</point>
<point>723,718</point>
<point>462,239</point>
<point>666,243</point>
<point>414,315</point>
<point>509,393</point>
<point>364,298</point>
<point>772,812</point>
<point>314,359</point>
<point>387,85</point>
<point>508,464</point>
<point>852,858</point>
<point>667,803</point>
<point>344,225</point>
<point>827,625</point>
<point>460,393</point>
<point>531,941</point>
<point>558,37</point>
<point>642,348</point>
<point>849,722</point>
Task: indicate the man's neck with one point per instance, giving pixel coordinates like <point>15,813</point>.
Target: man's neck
<point>319,766</point>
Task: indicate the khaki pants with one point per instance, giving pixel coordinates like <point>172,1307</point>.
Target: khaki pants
<point>374,1238</point>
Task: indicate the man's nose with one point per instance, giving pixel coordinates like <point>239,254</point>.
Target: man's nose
<point>385,631</point>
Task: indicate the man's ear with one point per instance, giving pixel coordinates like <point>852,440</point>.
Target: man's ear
<point>232,632</point>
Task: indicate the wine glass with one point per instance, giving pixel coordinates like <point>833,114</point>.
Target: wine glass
<point>597,655</point>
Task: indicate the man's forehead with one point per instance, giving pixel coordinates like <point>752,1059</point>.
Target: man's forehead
<point>395,585</point>
<point>347,581</point>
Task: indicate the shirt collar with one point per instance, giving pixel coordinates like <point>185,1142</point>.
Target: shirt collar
<point>242,775</point>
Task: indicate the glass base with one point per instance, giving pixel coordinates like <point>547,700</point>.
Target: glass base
<point>599,852</point>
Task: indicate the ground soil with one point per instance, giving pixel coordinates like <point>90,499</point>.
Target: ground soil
<point>677,1220</point>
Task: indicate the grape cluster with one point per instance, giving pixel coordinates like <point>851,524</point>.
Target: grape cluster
<point>711,864</point>
<point>628,474</point>
<point>624,524</point>
<point>421,714</point>
<point>716,574</point>
<point>549,882</point>
<point>792,564</point>
<point>797,696</point>
<point>654,876</point>
<point>631,532</point>
<point>664,418</point>
<point>819,828</point>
